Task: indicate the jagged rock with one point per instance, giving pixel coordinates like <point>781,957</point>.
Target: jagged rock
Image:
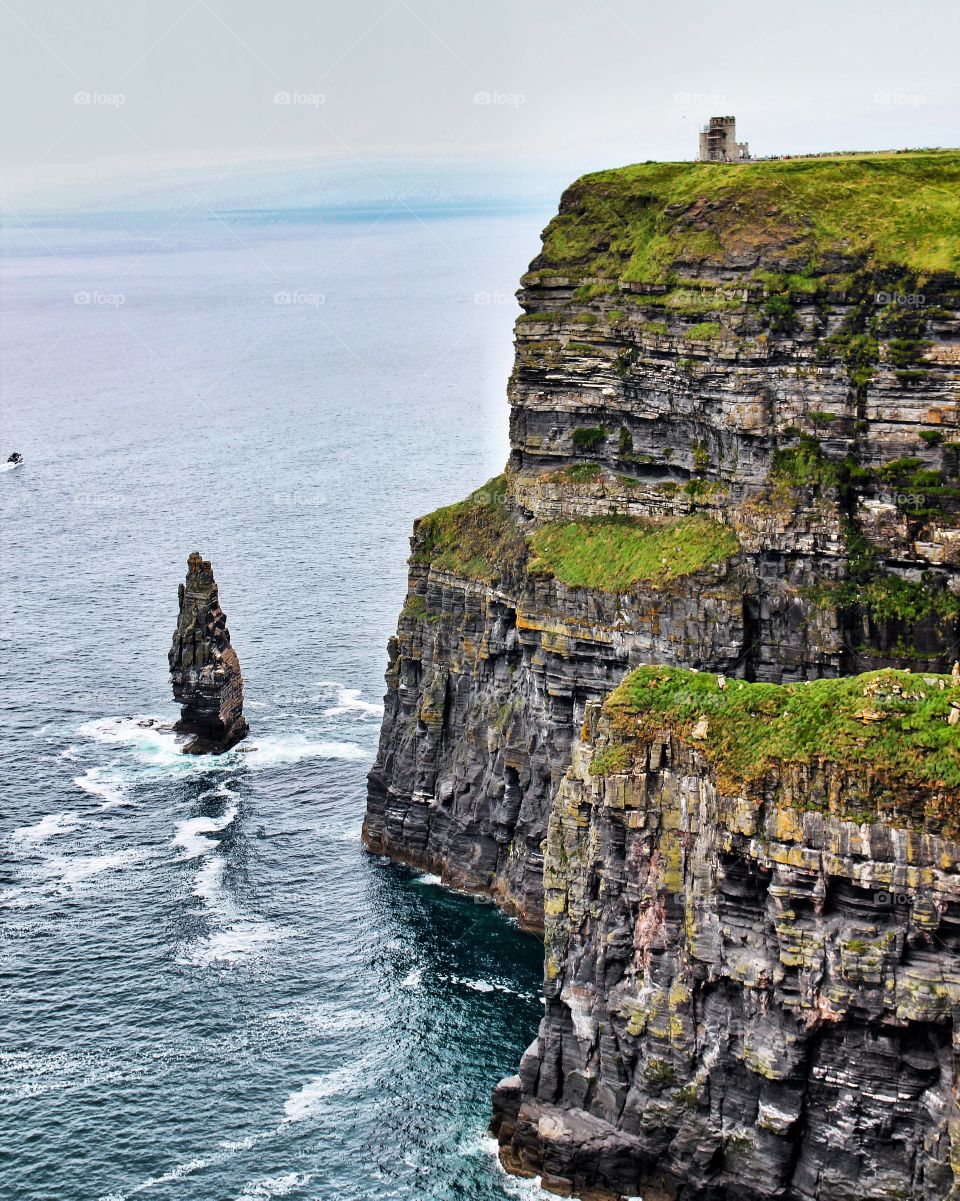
<point>204,667</point>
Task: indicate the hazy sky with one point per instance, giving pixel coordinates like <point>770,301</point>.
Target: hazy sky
<point>118,98</point>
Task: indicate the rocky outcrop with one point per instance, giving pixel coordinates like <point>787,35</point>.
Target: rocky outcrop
<point>735,448</point>
<point>752,985</point>
<point>204,667</point>
<point>799,395</point>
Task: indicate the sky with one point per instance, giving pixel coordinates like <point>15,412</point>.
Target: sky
<point>131,103</point>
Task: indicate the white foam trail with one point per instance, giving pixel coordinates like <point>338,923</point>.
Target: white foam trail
<point>46,827</point>
<point>190,834</point>
<point>100,782</point>
<point>307,1100</point>
<point>75,871</point>
<point>273,752</point>
<point>246,939</point>
<point>273,1186</point>
<point>327,1018</point>
<point>412,980</point>
<point>209,882</point>
<point>234,935</point>
<point>348,700</point>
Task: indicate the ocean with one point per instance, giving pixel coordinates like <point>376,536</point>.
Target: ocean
<point>210,991</point>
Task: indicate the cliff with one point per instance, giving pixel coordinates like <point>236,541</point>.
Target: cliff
<point>753,962</point>
<point>204,667</point>
<point>759,367</point>
<point>734,449</point>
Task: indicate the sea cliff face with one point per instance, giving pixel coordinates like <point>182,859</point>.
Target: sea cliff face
<point>735,449</point>
<point>753,955</point>
<point>713,352</point>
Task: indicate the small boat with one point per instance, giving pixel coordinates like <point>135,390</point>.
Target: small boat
<point>14,461</point>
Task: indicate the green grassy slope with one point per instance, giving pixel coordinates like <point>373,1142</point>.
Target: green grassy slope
<point>633,223</point>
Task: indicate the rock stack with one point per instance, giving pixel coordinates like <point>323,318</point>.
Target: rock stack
<point>204,667</point>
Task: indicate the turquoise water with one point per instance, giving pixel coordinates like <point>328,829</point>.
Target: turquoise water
<point>210,992</point>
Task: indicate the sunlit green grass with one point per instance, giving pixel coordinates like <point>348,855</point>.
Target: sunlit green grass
<point>615,553</point>
<point>891,724</point>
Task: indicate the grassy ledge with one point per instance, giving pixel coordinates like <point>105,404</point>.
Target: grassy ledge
<point>475,538</point>
<point>891,726</point>
<point>613,554</point>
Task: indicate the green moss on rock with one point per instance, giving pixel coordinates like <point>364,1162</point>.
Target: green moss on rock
<point>888,725</point>
<point>615,553</point>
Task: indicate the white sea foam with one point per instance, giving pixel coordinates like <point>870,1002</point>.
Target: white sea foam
<point>428,879</point>
<point>513,1186</point>
<point>190,835</point>
<point>273,752</point>
<point>412,980</point>
<point>349,700</point>
<point>46,827</point>
<point>309,1099</point>
<point>246,939</point>
<point>234,936</point>
<point>328,1019</point>
<point>156,751</point>
<point>103,782</point>
<point>273,1186</point>
<point>208,885</point>
<point>77,871</point>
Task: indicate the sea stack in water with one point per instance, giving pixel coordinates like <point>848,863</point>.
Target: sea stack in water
<point>204,667</point>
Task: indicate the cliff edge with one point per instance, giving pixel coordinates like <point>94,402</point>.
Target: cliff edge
<point>752,946</point>
<point>735,449</point>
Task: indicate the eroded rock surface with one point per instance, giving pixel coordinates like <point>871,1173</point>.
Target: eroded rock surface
<point>752,991</point>
<point>700,354</point>
<point>204,667</point>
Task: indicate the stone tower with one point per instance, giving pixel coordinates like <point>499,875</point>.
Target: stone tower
<point>718,142</point>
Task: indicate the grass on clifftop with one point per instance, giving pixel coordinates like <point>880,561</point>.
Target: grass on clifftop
<point>475,538</point>
<point>891,724</point>
<point>633,223</point>
<point>479,539</point>
<point>612,554</point>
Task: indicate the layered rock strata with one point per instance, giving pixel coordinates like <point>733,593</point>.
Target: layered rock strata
<point>694,347</point>
<point>204,667</point>
<point>753,963</point>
